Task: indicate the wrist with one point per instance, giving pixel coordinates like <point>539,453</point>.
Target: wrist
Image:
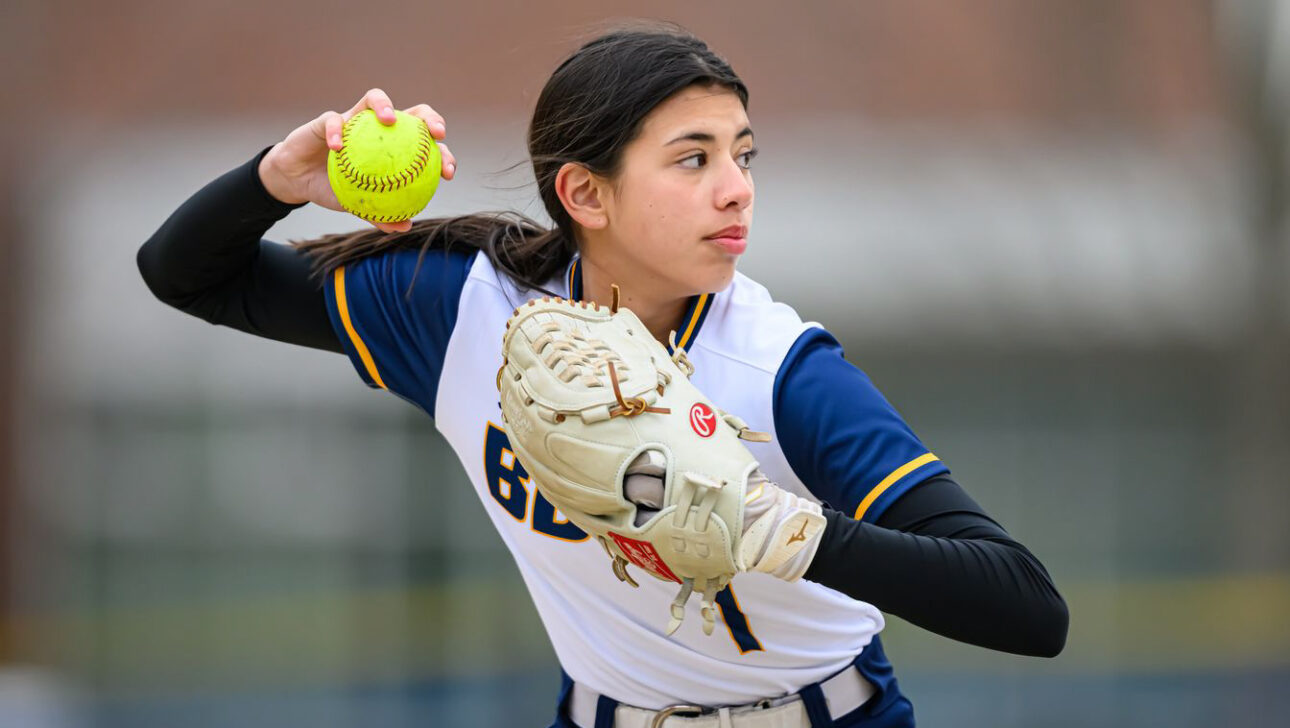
<point>275,182</point>
<point>783,534</point>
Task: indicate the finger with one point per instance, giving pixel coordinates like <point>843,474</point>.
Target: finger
<point>376,100</point>
<point>394,227</point>
<point>432,118</point>
<point>333,122</point>
<point>449,169</point>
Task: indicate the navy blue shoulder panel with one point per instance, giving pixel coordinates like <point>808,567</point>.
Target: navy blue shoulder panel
<point>841,437</point>
<point>395,313</point>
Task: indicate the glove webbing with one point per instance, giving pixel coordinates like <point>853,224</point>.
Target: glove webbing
<point>583,357</point>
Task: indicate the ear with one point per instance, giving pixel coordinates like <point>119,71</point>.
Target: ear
<point>580,192</point>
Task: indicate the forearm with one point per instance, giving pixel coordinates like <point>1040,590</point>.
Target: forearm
<point>942,564</point>
<point>209,259</point>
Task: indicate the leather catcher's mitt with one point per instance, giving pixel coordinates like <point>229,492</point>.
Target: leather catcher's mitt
<point>614,435</point>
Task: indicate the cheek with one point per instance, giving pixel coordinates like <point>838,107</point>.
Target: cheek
<point>646,218</point>
<point>668,213</point>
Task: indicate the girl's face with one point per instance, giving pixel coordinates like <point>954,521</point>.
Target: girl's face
<point>682,202</point>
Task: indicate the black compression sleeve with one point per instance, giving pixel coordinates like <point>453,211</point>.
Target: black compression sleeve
<point>208,259</point>
<point>937,560</point>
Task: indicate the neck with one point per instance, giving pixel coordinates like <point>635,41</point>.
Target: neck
<point>661,313</point>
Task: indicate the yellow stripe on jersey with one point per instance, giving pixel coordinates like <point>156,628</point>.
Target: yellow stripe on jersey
<point>684,341</point>
<point>573,273</point>
<point>888,481</point>
<point>342,306</point>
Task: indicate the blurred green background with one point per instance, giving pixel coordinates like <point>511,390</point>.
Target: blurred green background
<point>1053,233</point>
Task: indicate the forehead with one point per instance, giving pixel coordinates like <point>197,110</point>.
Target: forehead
<point>713,109</point>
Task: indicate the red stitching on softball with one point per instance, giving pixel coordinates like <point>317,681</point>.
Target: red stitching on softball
<point>372,183</point>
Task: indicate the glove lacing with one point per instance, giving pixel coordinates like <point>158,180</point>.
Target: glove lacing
<point>678,355</point>
<point>706,604</point>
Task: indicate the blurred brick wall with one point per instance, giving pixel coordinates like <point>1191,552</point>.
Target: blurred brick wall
<point>1135,62</point>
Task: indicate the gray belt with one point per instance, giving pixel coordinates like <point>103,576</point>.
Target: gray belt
<point>843,693</point>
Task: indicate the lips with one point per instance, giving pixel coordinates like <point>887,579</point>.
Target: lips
<point>734,231</point>
<point>732,240</point>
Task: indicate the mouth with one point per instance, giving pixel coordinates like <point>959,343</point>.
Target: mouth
<point>732,240</point>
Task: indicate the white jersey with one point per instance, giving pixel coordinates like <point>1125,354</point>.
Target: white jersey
<point>441,350</point>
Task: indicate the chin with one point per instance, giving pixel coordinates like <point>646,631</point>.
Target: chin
<point>718,280</point>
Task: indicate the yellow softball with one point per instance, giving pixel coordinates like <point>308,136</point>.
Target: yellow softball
<point>384,173</point>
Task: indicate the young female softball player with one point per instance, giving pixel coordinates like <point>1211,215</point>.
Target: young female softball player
<point>642,151</point>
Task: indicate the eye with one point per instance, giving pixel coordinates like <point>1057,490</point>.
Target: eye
<point>699,160</point>
<point>747,158</point>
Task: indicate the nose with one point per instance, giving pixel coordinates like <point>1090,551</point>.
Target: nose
<point>734,186</point>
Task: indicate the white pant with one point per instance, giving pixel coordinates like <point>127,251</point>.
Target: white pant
<point>843,693</point>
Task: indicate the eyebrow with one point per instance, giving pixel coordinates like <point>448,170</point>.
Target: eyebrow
<point>706,138</point>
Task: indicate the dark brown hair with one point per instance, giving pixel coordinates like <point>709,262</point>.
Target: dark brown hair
<point>593,105</point>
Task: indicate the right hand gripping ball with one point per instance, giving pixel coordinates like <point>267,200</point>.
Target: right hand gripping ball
<point>384,173</point>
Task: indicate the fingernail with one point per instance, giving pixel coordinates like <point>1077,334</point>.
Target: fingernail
<point>452,168</point>
<point>335,139</point>
<point>437,127</point>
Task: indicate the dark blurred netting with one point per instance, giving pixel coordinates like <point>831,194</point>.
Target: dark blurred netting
<point>1206,699</point>
<point>499,699</point>
<point>1239,698</point>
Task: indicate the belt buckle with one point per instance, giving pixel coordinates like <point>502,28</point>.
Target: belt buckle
<point>677,710</point>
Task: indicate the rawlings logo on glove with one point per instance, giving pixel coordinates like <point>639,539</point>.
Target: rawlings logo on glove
<point>614,435</point>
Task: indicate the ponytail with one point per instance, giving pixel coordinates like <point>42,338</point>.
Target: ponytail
<point>514,243</point>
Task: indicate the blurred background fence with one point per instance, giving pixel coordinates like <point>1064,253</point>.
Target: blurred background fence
<point>1054,233</point>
